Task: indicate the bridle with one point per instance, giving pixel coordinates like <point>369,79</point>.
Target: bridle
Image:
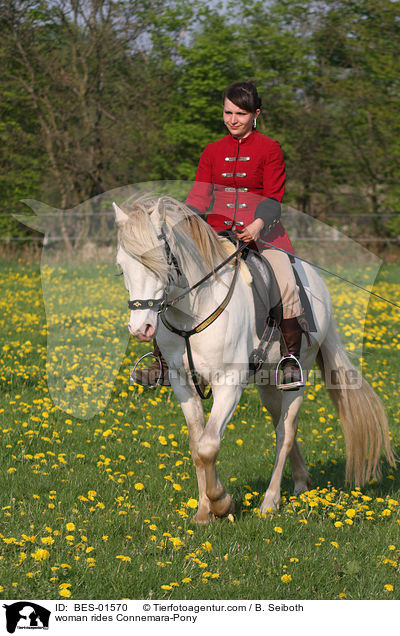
<point>160,305</point>
<point>157,304</point>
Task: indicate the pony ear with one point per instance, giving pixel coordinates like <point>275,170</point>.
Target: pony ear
<point>120,216</point>
<point>158,215</point>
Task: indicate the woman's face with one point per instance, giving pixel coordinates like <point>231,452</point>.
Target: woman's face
<point>239,122</point>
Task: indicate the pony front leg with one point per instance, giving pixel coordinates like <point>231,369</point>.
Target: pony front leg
<point>285,442</point>
<point>193,411</point>
<point>226,399</point>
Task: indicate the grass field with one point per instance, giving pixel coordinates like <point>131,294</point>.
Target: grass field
<point>102,507</point>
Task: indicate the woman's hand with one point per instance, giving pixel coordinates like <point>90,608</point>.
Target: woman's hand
<point>251,232</point>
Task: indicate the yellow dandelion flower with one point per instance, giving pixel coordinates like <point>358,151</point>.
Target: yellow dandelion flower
<point>166,587</point>
<point>139,486</point>
<point>47,540</point>
<point>335,544</point>
<point>65,593</point>
<point>350,513</point>
<point>176,542</point>
<point>389,587</point>
<point>286,578</point>
<point>70,527</point>
<point>278,529</point>
<point>40,554</point>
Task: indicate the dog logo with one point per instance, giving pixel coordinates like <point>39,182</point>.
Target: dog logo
<point>26,615</point>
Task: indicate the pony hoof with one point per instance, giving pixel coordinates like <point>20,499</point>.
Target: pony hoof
<point>203,517</point>
<point>230,512</point>
<point>269,508</point>
<point>223,507</point>
<point>302,487</point>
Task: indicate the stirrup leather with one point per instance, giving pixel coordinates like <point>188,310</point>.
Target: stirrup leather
<point>132,378</point>
<point>290,385</point>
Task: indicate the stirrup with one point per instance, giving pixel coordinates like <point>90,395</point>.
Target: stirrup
<point>132,375</point>
<point>291,385</point>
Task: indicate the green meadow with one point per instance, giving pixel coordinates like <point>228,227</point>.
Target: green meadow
<point>101,507</point>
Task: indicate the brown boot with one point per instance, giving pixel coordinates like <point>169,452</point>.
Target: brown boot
<point>155,374</point>
<point>289,366</point>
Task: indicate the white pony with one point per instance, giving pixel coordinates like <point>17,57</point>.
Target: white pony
<point>165,248</point>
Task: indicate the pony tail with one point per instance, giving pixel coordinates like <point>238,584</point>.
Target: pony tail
<point>361,412</point>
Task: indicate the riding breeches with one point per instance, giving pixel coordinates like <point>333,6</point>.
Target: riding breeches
<point>282,267</point>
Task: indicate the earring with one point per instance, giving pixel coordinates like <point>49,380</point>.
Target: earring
<point>255,123</point>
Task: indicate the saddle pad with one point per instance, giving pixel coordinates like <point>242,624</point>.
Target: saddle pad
<point>266,295</point>
<point>305,303</point>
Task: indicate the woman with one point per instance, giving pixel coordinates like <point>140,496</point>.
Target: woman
<point>245,174</point>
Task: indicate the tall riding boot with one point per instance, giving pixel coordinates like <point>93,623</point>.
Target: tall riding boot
<point>155,374</point>
<point>289,366</point>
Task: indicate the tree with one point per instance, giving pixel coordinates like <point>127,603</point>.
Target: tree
<point>213,57</point>
<point>87,72</point>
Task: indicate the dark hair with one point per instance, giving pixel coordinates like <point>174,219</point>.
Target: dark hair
<point>244,95</point>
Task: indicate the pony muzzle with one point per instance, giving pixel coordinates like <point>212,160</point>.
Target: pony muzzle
<point>144,333</point>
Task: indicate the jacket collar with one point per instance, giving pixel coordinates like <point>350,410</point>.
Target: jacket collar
<point>247,139</point>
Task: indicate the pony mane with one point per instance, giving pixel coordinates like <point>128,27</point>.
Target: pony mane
<point>191,239</point>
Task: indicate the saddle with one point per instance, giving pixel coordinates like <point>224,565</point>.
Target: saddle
<point>268,306</point>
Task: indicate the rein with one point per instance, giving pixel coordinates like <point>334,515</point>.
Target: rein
<point>205,278</point>
<point>204,324</point>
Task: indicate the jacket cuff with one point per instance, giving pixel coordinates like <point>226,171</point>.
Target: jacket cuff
<point>269,210</point>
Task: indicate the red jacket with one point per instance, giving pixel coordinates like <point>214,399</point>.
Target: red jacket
<point>240,175</point>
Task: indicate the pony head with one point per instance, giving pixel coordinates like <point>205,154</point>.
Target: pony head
<point>159,239</point>
<point>143,262</point>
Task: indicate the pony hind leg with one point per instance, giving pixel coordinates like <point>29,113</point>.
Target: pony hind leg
<point>302,480</point>
<point>286,444</point>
